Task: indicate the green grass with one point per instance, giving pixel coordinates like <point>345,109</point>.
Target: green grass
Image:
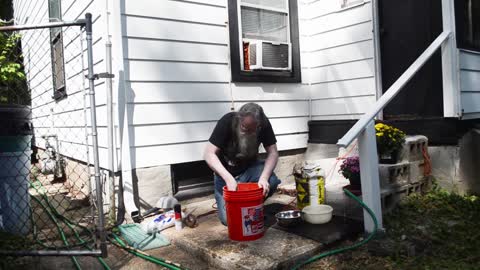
<point>10,242</point>
<point>441,230</point>
<point>443,227</point>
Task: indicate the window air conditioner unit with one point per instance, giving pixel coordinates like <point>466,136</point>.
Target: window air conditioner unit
<point>266,55</point>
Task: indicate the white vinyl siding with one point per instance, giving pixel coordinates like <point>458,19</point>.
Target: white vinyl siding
<point>65,118</point>
<point>176,59</point>
<point>339,59</point>
<point>178,82</point>
<point>470,83</point>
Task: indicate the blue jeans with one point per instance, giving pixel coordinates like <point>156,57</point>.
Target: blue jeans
<point>251,175</point>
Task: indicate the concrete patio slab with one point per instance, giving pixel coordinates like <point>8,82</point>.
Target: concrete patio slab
<point>278,249</point>
<point>209,241</point>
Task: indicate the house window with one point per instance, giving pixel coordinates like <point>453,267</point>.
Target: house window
<point>264,41</point>
<point>467,14</point>
<point>57,54</point>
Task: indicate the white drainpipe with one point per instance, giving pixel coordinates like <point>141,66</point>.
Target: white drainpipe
<point>122,104</point>
<point>110,120</point>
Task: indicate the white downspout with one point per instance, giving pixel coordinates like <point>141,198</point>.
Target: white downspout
<point>377,53</point>
<point>110,120</point>
<point>122,104</point>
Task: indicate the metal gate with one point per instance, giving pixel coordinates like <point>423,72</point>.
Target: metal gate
<point>50,182</point>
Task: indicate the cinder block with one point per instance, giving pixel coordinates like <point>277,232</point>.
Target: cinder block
<point>416,171</point>
<point>392,196</point>
<point>393,175</point>
<point>412,148</point>
<point>421,186</point>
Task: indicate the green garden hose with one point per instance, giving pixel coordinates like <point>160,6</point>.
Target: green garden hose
<point>117,241</point>
<point>53,214</point>
<point>340,250</point>
<point>59,228</point>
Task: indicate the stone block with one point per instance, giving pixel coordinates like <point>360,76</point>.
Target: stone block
<point>390,197</point>
<point>412,148</point>
<point>416,171</point>
<point>389,200</point>
<point>392,175</point>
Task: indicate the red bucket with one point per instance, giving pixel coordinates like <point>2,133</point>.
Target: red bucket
<point>244,209</point>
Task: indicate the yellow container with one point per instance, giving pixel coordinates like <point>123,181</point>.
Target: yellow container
<point>310,184</point>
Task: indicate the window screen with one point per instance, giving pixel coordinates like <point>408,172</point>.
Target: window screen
<point>56,46</point>
<point>55,15</point>
<point>58,67</point>
<point>54,10</point>
<point>264,41</point>
<point>264,24</point>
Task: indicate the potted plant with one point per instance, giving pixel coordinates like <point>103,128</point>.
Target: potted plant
<point>389,142</point>
<point>350,169</point>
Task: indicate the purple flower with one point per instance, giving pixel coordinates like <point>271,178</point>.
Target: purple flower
<point>350,167</point>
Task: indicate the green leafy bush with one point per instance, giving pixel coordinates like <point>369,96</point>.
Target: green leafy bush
<point>13,87</point>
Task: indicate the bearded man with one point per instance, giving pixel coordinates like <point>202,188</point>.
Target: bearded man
<point>232,153</point>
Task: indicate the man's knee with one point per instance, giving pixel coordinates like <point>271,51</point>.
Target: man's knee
<point>273,181</point>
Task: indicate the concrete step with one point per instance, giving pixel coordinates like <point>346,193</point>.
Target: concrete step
<point>209,241</point>
<point>277,249</point>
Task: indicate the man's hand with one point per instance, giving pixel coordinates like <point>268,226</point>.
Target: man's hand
<point>270,163</point>
<point>216,165</point>
<point>231,185</point>
<point>263,183</point>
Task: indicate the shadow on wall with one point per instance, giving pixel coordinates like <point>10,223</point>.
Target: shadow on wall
<point>456,167</point>
<point>469,161</point>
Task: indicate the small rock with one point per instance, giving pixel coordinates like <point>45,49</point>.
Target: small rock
<point>452,223</point>
<point>403,237</point>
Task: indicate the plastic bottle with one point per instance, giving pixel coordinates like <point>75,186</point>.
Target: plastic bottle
<point>178,217</point>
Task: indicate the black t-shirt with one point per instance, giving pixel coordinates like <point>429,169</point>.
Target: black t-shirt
<point>223,137</point>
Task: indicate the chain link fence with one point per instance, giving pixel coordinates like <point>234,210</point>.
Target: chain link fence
<point>48,147</point>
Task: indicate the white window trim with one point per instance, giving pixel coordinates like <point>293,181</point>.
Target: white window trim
<point>279,10</point>
<point>240,30</point>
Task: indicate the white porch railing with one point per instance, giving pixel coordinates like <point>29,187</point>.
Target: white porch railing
<point>364,130</point>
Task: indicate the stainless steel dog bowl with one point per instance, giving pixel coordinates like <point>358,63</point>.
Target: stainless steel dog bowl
<point>289,218</point>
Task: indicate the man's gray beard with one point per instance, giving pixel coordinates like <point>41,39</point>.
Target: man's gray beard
<point>247,145</point>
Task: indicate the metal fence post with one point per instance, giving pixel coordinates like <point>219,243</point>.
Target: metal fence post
<point>98,182</point>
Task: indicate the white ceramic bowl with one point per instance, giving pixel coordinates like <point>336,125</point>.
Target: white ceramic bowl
<point>317,214</point>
